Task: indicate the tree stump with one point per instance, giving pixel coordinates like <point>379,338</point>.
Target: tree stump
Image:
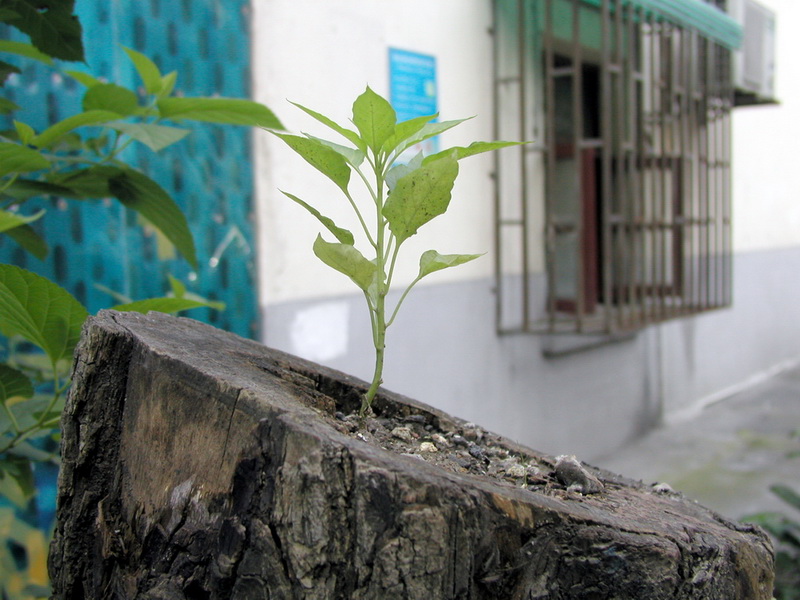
<point>200,465</point>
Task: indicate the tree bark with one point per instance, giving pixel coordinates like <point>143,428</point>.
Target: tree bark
<point>200,465</point>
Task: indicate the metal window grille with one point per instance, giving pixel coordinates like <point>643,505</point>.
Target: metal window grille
<point>634,119</point>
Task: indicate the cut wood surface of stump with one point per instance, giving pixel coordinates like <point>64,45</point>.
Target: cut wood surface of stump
<point>200,465</point>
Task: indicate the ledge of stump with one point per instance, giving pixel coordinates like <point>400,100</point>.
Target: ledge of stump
<point>200,465</point>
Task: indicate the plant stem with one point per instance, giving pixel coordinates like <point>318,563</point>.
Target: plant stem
<point>379,313</point>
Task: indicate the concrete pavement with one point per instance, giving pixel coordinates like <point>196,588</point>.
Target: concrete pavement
<point>728,455</point>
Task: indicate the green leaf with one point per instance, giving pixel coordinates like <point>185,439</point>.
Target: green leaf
<point>323,158</point>
<point>26,50</point>
<point>225,111</point>
<point>52,27</point>
<point>348,134</point>
<point>55,132</point>
<point>16,480</point>
<point>14,384</point>
<point>419,197</point>
<point>110,97</point>
<point>6,105</point>
<point>40,311</point>
<point>25,132</point>
<point>155,137</point>
<point>9,220</point>
<point>177,286</point>
<point>375,119</point>
<point>786,494</point>
<point>147,69</point>
<point>16,158</point>
<point>164,305</point>
<point>140,193</point>
<point>27,238</point>
<point>92,182</point>
<point>405,130</point>
<point>7,70</point>
<point>168,84</point>
<point>354,156</point>
<point>400,170</point>
<point>428,131</point>
<point>432,261</point>
<point>346,259</point>
<point>343,235</point>
<point>84,78</point>
<point>474,148</point>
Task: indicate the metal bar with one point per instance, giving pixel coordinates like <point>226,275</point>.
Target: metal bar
<point>606,129</point>
<point>636,43</point>
<point>690,208</point>
<point>550,165</point>
<point>523,135</point>
<point>578,135</point>
<point>498,257</point>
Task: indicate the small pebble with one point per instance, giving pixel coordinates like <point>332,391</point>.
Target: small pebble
<point>417,456</point>
<point>516,471</point>
<point>475,451</point>
<point>402,433</point>
<point>472,432</point>
<point>533,472</point>
<point>440,441</point>
<point>460,441</point>
<point>415,419</point>
<point>428,447</point>
<point>662,488</point>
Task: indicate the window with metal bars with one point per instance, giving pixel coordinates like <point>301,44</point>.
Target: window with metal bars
<point>632,113</point>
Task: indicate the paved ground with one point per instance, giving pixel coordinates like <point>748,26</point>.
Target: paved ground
<point>729,455</point>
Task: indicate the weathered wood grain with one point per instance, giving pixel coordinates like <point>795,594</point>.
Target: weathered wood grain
<point>198,465</point>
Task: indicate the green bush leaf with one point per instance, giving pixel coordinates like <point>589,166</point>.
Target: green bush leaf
<point>147,69</point>
<point>92,182</point>
<point>225,111</point>
<point>419,197</point>
<point>110,97</point>
<point>40,311</point>
<point>30,241</point>
<point>375,119</point>
<point>6,105</point>
<point>164,305</point>
<point>346,259</point>
<point>787,494</point>
<point>323,158</point>
<point>155,137</point>
<point>140,193</point>
<point>84,78</point>
<point>55,132</point>
<point>343,235</point>
<point>16,480</point>
<point>25,132</point>
<point>16,158</point>
<point>431,261</point>
<point>14,384</point>
<point>474,148</point>
<point>9,220</point>
<point>54,30</point>
<point>26,50</point>
<point>348,134</point>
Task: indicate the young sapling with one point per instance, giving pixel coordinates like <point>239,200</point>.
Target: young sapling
<point>405,196</point>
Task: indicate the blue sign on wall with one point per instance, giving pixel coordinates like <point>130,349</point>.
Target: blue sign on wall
<point>412,82</point>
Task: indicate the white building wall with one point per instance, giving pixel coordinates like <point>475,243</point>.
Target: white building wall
<point>444,349</point>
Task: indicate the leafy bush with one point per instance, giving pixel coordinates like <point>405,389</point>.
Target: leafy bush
<point>78,158</point>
